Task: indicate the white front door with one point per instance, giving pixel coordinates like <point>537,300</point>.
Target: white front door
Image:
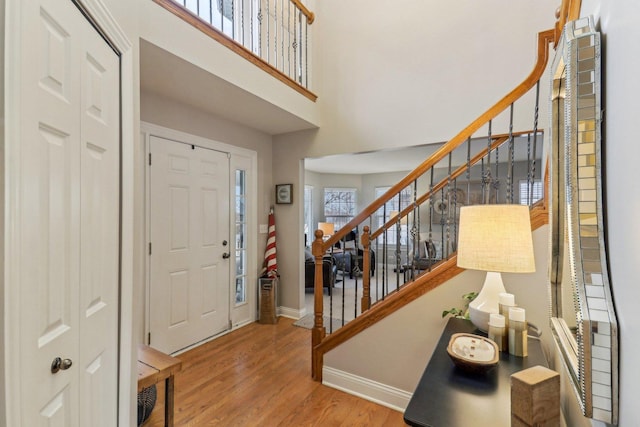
<point>68,222</point>
<point>189,244</point>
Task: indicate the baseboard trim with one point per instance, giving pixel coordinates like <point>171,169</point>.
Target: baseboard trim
<point>365,388</point>
<point>291,313</point>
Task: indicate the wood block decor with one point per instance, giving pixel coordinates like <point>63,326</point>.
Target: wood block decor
<point>535,398</point>
<point>267,300</point>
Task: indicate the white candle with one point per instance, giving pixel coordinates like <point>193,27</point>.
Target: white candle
<point>506,299</point>
<point>516,314</point>
<point>496,320</point>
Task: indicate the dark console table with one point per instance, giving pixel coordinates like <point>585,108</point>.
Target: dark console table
<point>449,397</point>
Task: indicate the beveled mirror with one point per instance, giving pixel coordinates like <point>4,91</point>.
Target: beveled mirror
<point>582,313</point>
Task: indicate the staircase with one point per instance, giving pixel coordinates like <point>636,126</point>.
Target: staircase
<point>478,165</point>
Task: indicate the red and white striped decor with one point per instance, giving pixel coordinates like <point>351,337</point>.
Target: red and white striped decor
<point>270,267</point>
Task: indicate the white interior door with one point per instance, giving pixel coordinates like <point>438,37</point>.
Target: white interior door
<point>68,226</point>
<point>99,230</point>
<point>189,250</point>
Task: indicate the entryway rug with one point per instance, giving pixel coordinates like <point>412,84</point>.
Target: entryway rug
<point>307,322</point>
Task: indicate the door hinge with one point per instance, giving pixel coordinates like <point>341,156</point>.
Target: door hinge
<point>230,324</point>
<point>149,159</point>
<point>149,248</point>
<point>149,338</point>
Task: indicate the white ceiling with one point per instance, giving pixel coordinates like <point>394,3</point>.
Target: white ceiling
<point>167,75</point>
<point>403,159</point>
<point>392,160</point>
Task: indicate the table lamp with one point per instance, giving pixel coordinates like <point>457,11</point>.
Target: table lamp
<point>495,239</point>
<point>327,229</point>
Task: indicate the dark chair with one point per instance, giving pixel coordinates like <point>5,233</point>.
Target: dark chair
<point>351,262</point>
<point>351,259</point>
<point>329,271</point>
<point>343,262</point>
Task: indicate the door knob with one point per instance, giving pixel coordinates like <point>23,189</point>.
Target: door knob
<point>60,364</point>
<point>225,243</point>
<point>226,255</point>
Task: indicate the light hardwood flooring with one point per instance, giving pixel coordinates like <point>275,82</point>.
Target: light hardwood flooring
<point>260,375</point>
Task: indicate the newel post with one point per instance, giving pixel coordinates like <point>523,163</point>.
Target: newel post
<point>366,269</point>
<point>318,331</point>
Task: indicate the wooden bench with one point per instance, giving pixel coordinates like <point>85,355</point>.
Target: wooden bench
<point>153,367</point>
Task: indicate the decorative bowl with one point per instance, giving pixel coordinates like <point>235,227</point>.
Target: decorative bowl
<point>473,353</point>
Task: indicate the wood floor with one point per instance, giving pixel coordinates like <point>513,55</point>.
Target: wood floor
<point>260,375</point>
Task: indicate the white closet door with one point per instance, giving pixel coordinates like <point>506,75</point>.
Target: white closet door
<point>99,230</point>
<point>68,227</point>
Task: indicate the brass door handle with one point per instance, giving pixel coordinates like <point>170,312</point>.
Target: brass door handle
<point>60,364</point>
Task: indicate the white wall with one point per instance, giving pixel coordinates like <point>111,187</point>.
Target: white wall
<point>417,71</point>
<point>2,289</point>
<point>617,21</point>
<point>165,112</point>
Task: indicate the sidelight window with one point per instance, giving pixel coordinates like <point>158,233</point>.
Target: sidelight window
<point>240,235</point>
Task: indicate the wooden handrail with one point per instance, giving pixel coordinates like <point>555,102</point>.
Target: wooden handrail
<point>574,9</point>
<point>544,38</point>
<point>569,10</point>
<point>306,12</point>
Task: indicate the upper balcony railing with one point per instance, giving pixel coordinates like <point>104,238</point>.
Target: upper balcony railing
<point>272,34</point>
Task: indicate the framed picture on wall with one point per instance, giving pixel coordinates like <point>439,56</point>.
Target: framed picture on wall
<point>284,193</point>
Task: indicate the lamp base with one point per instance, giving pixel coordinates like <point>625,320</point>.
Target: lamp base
<point>486,302</point>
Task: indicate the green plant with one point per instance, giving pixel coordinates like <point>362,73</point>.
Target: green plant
<point>462,313</point>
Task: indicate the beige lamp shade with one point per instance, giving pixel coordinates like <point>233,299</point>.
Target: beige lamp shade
<point>496,238</point>
<point>326,228</point>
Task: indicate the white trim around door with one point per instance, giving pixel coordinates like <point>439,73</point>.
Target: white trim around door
<point>239,159</point>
